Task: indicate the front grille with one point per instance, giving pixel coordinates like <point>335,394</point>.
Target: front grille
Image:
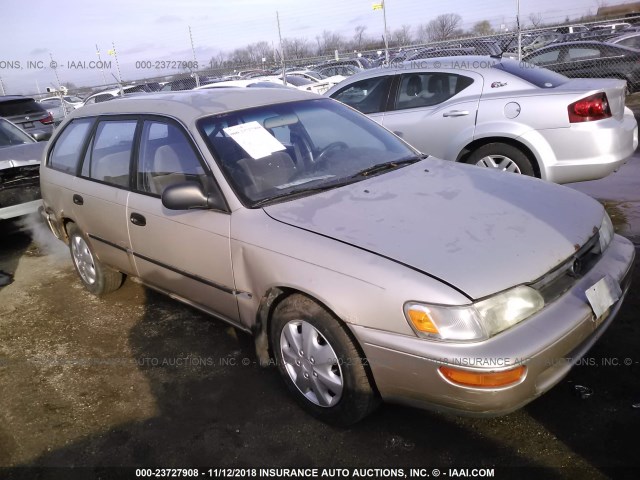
<point>19,185</point>
<point>563,277</point>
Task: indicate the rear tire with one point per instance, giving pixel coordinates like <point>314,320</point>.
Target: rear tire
<point>96,277</point>
<point>501,156</point>
<point>319,362</point>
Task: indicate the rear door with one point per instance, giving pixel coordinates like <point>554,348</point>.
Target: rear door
<point>181,252</point>
<point>100,192</point>
<point>435,111</point>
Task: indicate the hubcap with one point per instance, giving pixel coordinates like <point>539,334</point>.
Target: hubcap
<point>83,259</point>
<point>499,162</point>
<point>311,363</point>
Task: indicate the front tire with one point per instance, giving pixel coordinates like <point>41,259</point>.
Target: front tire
<point>96,277</point>
<point>319,362</point>
<point>501,156</point>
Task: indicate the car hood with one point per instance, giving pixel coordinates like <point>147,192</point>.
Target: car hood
<point>21,155</point>
<point>480,230</point>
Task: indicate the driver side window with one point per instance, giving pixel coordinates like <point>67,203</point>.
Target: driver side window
<point>368,96</point>
<point>166,158</point>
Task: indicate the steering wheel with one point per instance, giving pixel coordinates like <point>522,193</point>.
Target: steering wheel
<point>324,153</point>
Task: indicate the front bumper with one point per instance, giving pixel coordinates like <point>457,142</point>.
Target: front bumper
<point>549,343</point>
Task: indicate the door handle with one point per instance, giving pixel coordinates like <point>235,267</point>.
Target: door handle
<point>77,199</point>
<point>138,219</point>
<point>399,133</point>
<point>456,113</point>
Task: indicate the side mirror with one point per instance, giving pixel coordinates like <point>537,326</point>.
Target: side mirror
<point>189,196</point>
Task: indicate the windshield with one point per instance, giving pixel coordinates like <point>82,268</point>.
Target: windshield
<point>12,135</point>
<point>277,151</point>
<point>73,99</point>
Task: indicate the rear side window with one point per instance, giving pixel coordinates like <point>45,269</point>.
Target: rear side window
<point>367,96</point>
<point>540,77</point>
<point>109,155</point>
<point>21,106</point>
<point>582,53</point>
<point>429,88</point>
<point>68,147</point>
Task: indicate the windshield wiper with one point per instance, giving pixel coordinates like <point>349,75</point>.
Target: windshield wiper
<point>381,167</point>
<point>352,179</point>
<point>301,192</point>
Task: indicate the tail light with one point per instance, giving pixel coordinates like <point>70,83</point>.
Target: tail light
<point>594,107</point>
<point>48,119</point>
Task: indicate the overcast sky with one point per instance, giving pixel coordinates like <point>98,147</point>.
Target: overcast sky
<point>158,29</point>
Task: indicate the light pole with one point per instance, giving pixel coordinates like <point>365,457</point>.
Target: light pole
<point>519,31</point>
<point>385,37</point>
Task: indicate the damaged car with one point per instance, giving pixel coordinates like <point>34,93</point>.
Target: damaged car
<point>20,158</point>
<point>366,270</point>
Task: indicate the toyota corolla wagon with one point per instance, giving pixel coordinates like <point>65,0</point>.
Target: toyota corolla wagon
<point>365,270</point>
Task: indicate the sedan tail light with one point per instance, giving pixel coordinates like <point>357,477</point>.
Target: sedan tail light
<point>48,119</point>
<point>594,107</point>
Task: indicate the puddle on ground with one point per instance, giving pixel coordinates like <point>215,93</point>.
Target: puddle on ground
<point>625,217</point>
<point>5,278</point>
<point>617,214</point>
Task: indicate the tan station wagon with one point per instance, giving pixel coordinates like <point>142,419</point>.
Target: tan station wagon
<point>365,270</point>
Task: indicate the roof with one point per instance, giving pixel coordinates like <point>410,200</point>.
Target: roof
<point>190,104</point>
<point>7,98</point>
<point>620,9</point>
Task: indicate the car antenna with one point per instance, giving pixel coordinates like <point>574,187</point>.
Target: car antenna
<point>499,55</point>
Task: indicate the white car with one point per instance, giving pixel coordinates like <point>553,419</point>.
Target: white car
<point>500,113</point>
<point>70,102</point>
<point>318,87</point>
<point>114,92</point>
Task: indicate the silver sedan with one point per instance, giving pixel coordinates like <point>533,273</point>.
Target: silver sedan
<point>501,114</point>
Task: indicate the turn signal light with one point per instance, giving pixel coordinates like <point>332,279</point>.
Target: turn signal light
<point>422,321</point>
<point>477,379</point>
<point>594,107</point>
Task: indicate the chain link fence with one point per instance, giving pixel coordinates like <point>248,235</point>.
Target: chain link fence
<point>604,49</point>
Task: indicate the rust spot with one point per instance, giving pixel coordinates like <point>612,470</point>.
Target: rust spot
<point>576,246</point>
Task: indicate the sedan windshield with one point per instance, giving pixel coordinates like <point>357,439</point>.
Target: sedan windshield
<point>275,152</point>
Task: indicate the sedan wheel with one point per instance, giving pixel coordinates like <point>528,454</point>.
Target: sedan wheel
<point>501,156</point>
<point>320,363</point>
<point>499,162</point>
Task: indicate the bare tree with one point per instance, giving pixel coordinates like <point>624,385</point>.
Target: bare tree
<point>443,27</point>
<point>261,50</point>
<point>295,48</point>
<point>358,37</point>
<point>328,42</point>
<point>482,28</point>
<point>402,36</point>
<point>535,19</point>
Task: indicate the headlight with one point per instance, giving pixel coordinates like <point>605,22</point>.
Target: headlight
<point>606,232</point>
<point>478,321</point>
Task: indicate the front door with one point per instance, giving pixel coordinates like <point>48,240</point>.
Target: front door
<point>184,252</point>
